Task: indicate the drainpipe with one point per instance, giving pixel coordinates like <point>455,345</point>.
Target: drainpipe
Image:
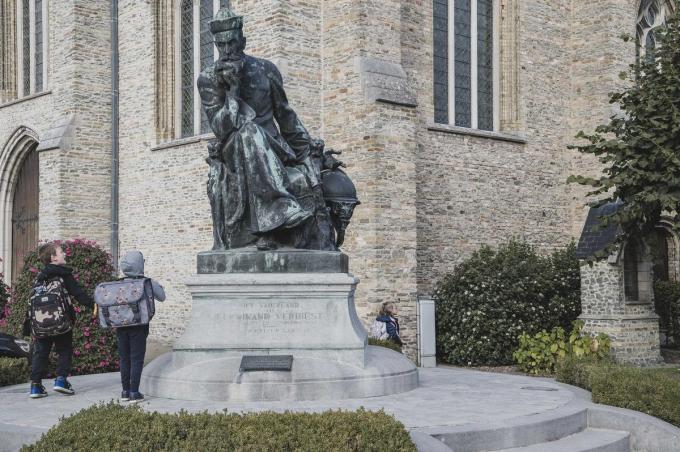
<point>114,133</point>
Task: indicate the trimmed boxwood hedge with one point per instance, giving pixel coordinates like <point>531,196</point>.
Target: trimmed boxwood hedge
<point>652,391</point>
<point>13,371</point>
<point>128,428</point>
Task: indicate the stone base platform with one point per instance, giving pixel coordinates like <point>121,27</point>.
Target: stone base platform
<point>452,409</point>
<point>219,379</point>
<point>298,304</point>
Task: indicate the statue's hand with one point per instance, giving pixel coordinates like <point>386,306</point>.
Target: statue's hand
<point>229,72</point>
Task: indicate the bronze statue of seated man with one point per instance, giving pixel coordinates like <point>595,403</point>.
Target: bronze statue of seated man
<point>264,183</point>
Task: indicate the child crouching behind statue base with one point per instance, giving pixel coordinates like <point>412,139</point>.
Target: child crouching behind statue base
<point>386,325</point>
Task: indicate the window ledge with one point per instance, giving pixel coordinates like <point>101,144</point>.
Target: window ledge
<point>637,303</point>
<point>25,98</point>
<point>503,136</point>
<point>184,141</point>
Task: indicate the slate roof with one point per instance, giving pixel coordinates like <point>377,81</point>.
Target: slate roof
<point>594,238</point>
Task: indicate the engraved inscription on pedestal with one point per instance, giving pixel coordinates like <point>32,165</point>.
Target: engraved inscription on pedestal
<point>275,319</point>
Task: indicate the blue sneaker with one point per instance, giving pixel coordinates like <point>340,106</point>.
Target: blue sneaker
<point>37,391</point>
<point>125,396</point>
<point>62,385</point>
<point>136,397</point>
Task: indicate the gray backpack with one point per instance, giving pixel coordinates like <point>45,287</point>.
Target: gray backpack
<point>125,302</point>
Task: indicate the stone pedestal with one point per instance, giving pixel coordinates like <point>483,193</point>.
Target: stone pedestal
<point>245,303</point>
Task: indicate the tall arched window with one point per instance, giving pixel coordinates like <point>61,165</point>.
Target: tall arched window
<point>651,15</point>
<point>196,52</point>
<point>186,64</point>
<point>31,46</point>
<point>466,63</point>
<point>630,271</point>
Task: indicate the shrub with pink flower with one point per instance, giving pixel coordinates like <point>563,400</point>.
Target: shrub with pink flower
<point>91,265</point>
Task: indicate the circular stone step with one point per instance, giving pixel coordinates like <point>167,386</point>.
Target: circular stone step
<point>220,379</point>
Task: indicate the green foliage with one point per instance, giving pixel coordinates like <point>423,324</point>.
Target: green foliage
<point>639,148</point>
<point>493,297</point>
<point>540,353</point>
<point>94,349</point>
<point>652,391</point>
<point>13,371</point>
<point>667,302</point>
<point>4,296</point>
<point>385,343</point>
<point>132,429</point>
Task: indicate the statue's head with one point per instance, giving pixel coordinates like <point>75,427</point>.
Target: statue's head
<point>227,30</point>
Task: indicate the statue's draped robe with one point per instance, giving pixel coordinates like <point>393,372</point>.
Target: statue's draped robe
<point>247,185</point>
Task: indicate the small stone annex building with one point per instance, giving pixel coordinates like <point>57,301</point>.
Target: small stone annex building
<point>453,117</point>
<point>617,293</point>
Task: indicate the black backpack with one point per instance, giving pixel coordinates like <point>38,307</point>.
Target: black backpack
<point>49,306</point>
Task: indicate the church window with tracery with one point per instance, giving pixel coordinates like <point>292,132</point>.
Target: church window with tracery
<point>196,52</point>
<point>466,63</point>
<point>651,15</point>
<point>31,43</point>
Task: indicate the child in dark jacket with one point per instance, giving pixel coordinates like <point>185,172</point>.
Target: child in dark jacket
<point>388,314</point>
<point>132,339</point>
<point>52,256</point>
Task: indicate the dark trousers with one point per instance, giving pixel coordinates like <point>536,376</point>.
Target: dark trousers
<point>131,348</point>
<point>63,346</point>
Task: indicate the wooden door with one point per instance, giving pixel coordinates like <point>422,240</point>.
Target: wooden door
<point>25,212</point>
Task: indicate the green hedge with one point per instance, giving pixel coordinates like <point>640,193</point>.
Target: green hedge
<point>667,303</point>
<point>385,343</point>
<point>4,296</point>
<point>13,371</point>
<point>652,391</point>
<point>490,299</point>
<point>540,353</point>
<point>129,428</point>
<point>94,349</point>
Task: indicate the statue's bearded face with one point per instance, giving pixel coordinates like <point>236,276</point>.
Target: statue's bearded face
<point>230,45</point>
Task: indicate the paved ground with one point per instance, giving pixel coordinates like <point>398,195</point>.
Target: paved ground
<point>446,397</point>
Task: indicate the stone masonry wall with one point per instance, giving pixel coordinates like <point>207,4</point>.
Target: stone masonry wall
<point>475,190</point>
<point>430,195</point>
<point>75,171</point>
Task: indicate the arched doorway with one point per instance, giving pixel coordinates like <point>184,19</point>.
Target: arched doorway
<point>25,211</point>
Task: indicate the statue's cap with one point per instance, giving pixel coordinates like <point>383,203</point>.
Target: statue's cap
<point>225,20</point>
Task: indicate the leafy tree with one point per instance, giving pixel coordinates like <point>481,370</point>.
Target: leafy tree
<point>640,148</point>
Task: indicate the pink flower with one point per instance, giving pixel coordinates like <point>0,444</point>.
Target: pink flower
<point>76,352</point>
<point>33,270</point>
<point>88,346</point>
<point>77,309</point>
<point>86,333</point>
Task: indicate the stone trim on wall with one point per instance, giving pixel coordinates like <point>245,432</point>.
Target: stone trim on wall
<point>59,136</point>
<point>184,141</point>
<point>8,69</point>
<point>25,98</point>
<point>434,127</point>
<point>165,96</point>
<point>510,108</point>
<point>385,81</point>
